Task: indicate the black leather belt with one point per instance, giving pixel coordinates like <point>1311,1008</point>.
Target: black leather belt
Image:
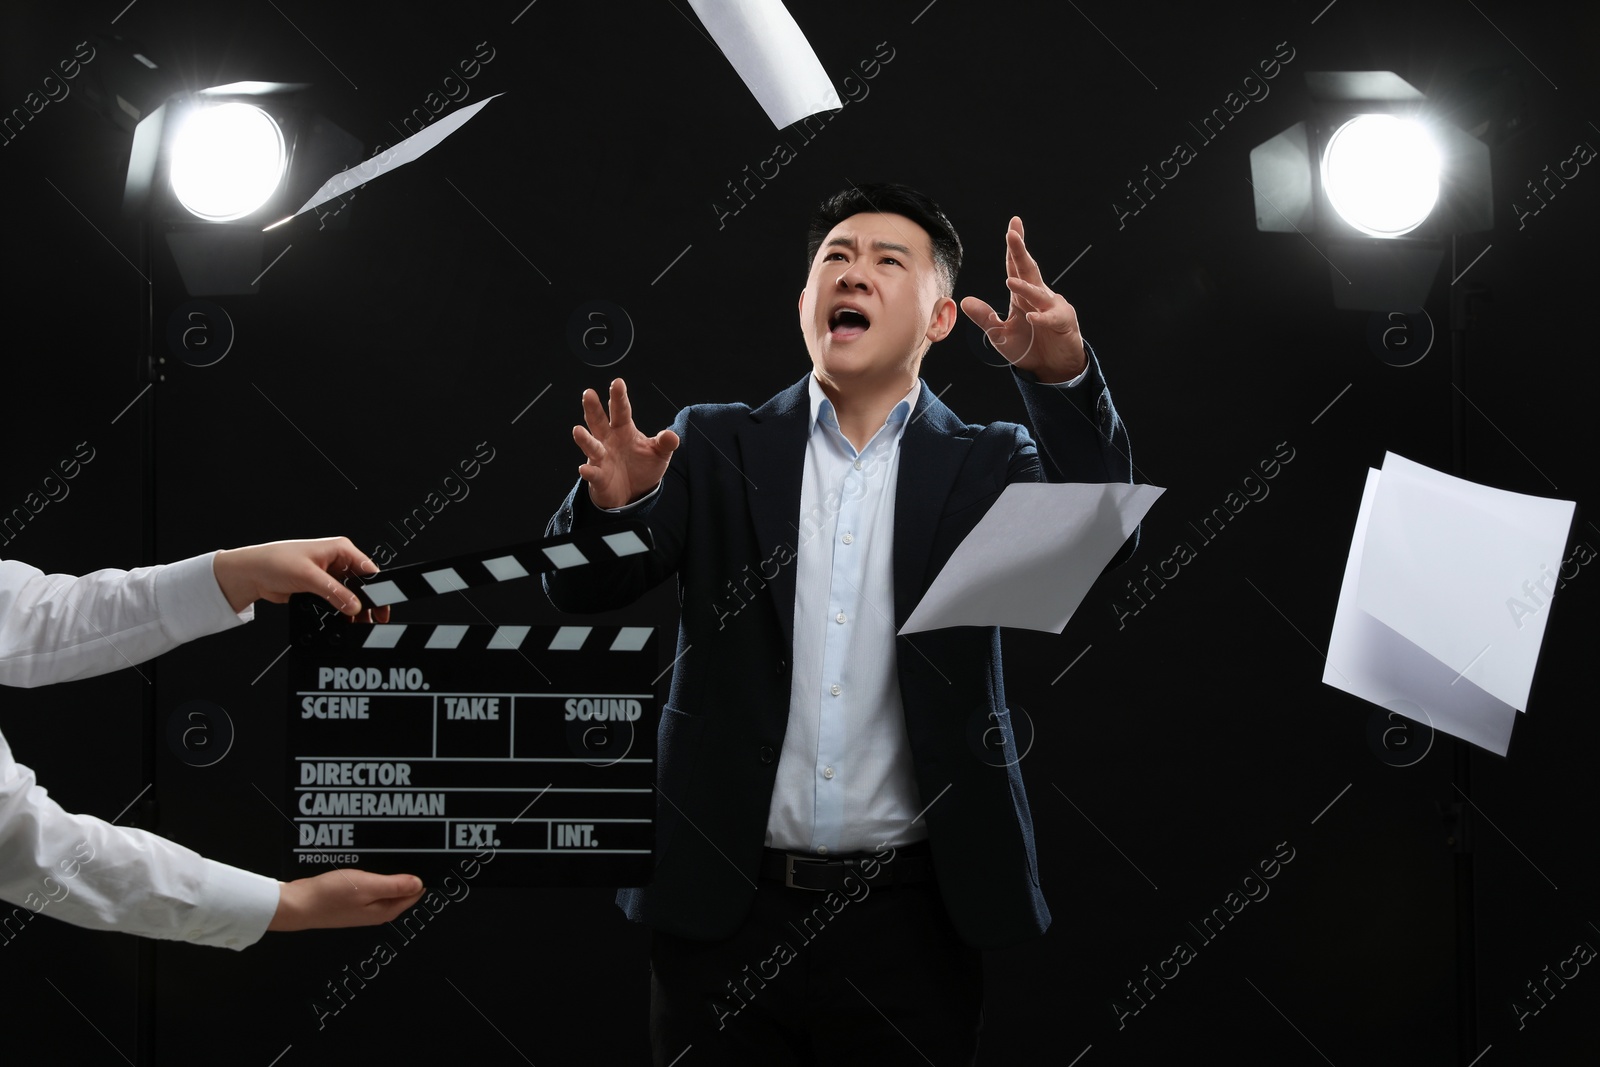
<point>797,870</point>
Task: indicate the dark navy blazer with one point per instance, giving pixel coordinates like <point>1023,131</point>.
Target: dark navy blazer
<point>727,523</point>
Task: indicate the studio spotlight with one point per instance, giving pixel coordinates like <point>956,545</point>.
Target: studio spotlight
<point>227,160</point>
<point>1381,179</point>
<point>208,169</point>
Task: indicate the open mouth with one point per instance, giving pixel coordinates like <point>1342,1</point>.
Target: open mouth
<point>846,324</point>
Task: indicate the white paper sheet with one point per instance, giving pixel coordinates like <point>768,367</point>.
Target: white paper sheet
<point>1446,564</point>
<point>1033,556</point>
<point>1369,660</point>
<point>771,55</point>
<point>407,151</point>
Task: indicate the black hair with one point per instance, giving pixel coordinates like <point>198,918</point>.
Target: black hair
<point>890,198</point>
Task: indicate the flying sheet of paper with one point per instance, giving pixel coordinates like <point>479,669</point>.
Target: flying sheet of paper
<point>1033,556</point>
<point>1456,569</point>
<point>1369,660</point>
<point>407,151</point>
<point>767,49</point>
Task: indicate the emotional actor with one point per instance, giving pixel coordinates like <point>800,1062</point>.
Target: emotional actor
<point>832,848</point>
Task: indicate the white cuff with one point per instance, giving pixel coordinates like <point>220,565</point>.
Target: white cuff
<point>234,909</point>
<point>190,603</point>
<point>641,502</point>
<point>1069,384</point>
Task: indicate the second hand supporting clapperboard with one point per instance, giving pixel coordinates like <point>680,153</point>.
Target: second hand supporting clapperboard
<point>414,745</point>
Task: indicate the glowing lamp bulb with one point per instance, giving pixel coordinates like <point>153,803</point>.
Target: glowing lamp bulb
<point>1381,174</point>
<point>227,160</point>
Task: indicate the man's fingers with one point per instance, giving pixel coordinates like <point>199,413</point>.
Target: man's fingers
<point>594,451</point>
<point>592,446</point>
<point>1011,248</point>
<point>980,312</point>
<point>594,477</point>
<point>621,410</point>
<point>1044,307</point>
<point>1033,296</point>
<point>594,414</point>
<point>1025,266</point>
<point>665,443</point>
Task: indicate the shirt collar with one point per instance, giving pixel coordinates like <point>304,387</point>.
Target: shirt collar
<point>822,407</point>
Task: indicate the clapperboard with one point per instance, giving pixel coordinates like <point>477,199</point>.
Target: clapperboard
<point>414,746</point>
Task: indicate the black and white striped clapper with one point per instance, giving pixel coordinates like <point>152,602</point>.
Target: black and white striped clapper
<point>515,755</point>
<point>418,581</point>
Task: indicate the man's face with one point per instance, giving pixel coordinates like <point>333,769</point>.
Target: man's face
<point>873,303</point>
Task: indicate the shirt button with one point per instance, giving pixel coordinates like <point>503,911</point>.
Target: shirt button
<point>827,772</point>
<point>833,689</point>
<point>849,539</point>
<point>839,618</point>
<point>766,754</point>
<point>822,850</point>
<point>858,464</point>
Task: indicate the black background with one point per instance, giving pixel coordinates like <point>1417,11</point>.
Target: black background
<point>1177,751</point>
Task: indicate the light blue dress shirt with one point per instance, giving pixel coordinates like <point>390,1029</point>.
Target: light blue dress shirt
<point>845,781</point>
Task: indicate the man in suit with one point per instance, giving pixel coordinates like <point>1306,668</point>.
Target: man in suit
<point>835,843</point>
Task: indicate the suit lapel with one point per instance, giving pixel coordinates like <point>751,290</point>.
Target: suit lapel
<point>772,451</point>
<point>931,454</point>
<point>772,448</point>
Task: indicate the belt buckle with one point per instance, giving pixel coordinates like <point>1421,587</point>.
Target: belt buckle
<point>788,871</point>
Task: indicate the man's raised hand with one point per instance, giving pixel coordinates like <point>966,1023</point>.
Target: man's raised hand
<point>623,464</point>
<point>1040,331</point>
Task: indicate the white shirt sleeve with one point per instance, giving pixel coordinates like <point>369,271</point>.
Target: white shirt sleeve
<point>78,868</point>
<point>55,628</point>
<point>87,872</point>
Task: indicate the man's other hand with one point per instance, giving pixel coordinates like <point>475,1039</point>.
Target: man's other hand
<point>623,464</point>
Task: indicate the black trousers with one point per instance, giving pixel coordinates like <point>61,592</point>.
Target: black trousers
<point>873,976</point>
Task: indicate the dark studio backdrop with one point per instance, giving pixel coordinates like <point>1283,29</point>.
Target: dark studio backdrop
<point>1173,747</point>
